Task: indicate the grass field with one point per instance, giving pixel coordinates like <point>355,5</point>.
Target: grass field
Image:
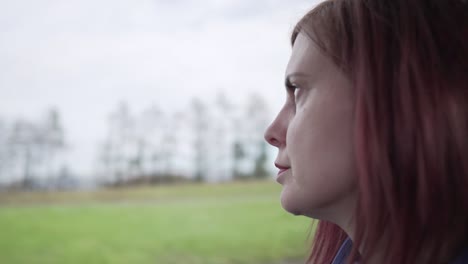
<point>235,223</point>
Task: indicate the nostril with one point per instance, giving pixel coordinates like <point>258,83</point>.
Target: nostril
<point>272,141</point>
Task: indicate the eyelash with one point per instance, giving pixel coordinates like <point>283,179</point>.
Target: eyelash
<point>291,87</point>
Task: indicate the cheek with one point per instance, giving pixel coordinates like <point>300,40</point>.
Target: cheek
<point>322,161</point>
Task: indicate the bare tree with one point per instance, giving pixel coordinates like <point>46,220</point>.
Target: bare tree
<point>105,159</point>
<point>119,142</point>
<point>260,168</point>
<point>238,157</point>
<point>25,149</point>
<point>200,126</point>
<point>224,137</point>
<point>256,120</point>
<point>5,159</point>
<point>2,150</point>
<point>151,127</point>
<point>51,140</point>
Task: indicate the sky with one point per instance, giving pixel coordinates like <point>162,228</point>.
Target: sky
<point>85,56</point>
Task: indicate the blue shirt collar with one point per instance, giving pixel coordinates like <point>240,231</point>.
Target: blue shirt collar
<point>345,250</point>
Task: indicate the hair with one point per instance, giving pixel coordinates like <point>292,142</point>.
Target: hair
<point>408,63</point>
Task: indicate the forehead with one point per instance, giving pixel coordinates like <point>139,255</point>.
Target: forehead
<point>306,58</point>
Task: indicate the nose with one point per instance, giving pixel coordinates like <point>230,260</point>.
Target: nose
<point>275,134</point>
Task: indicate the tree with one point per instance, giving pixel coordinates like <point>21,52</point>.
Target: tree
<point>200,127</point>
<point>105,160</point>
<point>4,157</point>
<point>150,136</point>
<point>51,140</point>
<point>120,137</point>
<point>239,155</point>
<point>260,170</point>
<point>256,121</point>
<point>24,145</point>
<point>224,137</point>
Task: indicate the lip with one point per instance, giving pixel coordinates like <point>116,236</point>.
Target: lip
<point>282,170</point>
<point>281,167</point>
<point>280,176</point>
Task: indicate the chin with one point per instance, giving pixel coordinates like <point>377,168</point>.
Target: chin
<point>291,210</point>
<point>298,205</point>
<point>290,204</point>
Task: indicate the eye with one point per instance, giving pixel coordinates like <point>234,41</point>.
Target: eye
<point>293,89</point>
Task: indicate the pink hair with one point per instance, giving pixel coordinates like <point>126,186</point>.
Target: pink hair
<point>408,61</point>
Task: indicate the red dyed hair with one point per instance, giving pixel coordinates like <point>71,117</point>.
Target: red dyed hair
<point>408,62</point>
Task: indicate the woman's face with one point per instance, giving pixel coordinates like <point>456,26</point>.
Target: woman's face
<point>314,136</point>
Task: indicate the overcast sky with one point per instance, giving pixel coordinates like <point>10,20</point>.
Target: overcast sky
<point>85,56</point>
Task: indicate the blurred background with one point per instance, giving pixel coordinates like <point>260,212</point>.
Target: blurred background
<point>132,131</point>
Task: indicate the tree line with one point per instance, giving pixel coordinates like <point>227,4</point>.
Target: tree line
<point>206,141</point>
<point>203,142</point>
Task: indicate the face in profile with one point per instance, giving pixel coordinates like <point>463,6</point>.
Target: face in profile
<point>314,135</point>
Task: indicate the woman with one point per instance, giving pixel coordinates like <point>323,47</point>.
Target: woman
<point>373,137</point>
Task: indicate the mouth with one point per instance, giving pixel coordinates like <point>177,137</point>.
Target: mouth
<point>281,171</point>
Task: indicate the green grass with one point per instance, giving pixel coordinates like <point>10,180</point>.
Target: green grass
<point>235,223</point>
